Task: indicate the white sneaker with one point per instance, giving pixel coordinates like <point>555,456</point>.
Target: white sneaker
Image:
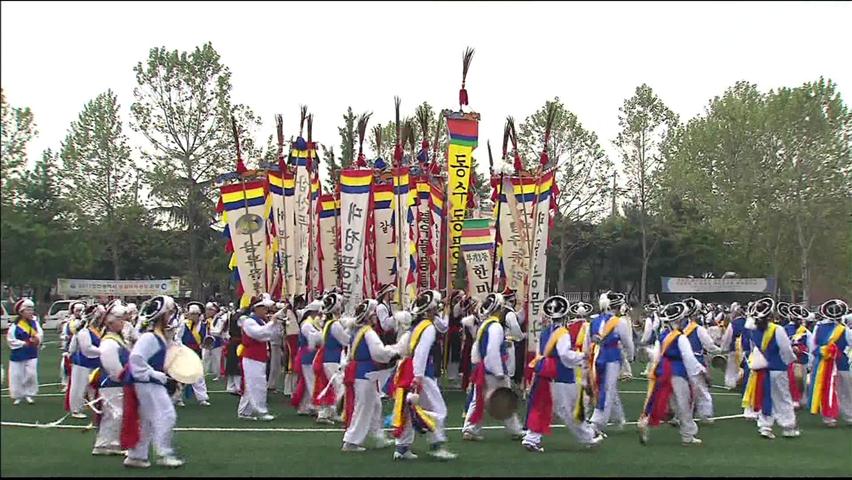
<point>266,417</point>
<point>408,455</point>
<point>472,437</point>
<point>107,451</point>
<point>204,403</point>
<point>595,441</point>
<point>442,454</point>
<point>78,415</point>
<point>17,401</point>
<point>532,447</point>
<point>351,447</point>
<point>767,435</point>
<point>30,400</point>
<point>644,434</point>
<point>180,403</point>
<point>794,433</point>
<point>706,421</point>
<point>246,417</point>
<point>691,441</point>
<point>170,461</point>
<point>136,463</point>
<point>325,420</point>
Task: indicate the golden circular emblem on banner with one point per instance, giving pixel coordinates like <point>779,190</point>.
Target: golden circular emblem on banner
<point>249,223</point>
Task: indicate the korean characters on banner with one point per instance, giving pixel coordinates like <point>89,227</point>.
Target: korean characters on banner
<point>354,203</point>
<point>329,215</point>
<point>385,246</point>
<point>463,130</point>
<point>424,232</point>
<point>244,214</point>
<point>540,225</point>
<point>477,246</point>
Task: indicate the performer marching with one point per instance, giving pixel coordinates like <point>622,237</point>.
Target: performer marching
<point>216,321</point>
<point>673,363</point>
<point>608,334</point>
<point>768,388</point>
<point>327,361</point>
<point>386,328</point>
<point>554,388</point>
<point>362,403</point>
<point>490,371</point>
<point>192,333</point>
<point>310,334</point>
<point>700,341</point>
<point>650,333</point>
<point>257,330</point>
<point>276,350</point>
<point>70,326</point>
<point>85,360</point>
<point>115,354</point>
<point>148,414</point>
<point>830,389</point>
<point>800,338</point>
<point>24,337</point>
<point>417,397</point>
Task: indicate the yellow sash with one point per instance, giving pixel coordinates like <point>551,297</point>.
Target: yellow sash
<point>97,332</point>
<point>835,336</point>
<point>581,337</point>
<point>751,387</point>
<point>609,326</point>
<point>416,334</point>
<point>800,332</point>
<point>664,347</point>
<point>690,328</point>
<point>26,327</point>
<point>551,344</point>
<point>195,334</point>
<point>768,335</point>
<point>326,329</point>
<point>358,338</point>
<point>484,328</point>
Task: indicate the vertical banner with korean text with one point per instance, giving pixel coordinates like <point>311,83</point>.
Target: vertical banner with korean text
<point>385,241</point>
<point>438,250</point>
<point>541,229</point>
<point>424,234</point>
<point>406,264</point>
<point>354,208</point>
<point>477,245</point>
<point>329,212</point>
<point>299,161</point>
<point>244,214</point>
<point>463,129</point>
<point>514,241</point>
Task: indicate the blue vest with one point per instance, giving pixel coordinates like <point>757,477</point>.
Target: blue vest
<point>772,352</point>
<point>697,348</point>
<point>822,333</point>
<point>189,340</point>
<point>364,363</point>
<point>84,361</point>
<point>654,335</point>
<point>430,371</point>
<point>673,355</point>
<point>483,347</point>
<point>157,361</point>
<point>738,328</point>
<point>563,374</point>
<point>27,352</point>
<point>308,356</point>
<point>609,347</point>
<point>333,348</point>
<point>123,357</point>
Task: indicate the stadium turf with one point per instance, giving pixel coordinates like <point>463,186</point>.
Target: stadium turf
<point>296,446</point>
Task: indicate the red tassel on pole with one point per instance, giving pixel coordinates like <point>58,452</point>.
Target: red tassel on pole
<point>518,165</point>
<point>463,100</point>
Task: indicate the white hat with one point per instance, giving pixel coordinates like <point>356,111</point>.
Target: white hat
<point>115,309</point>
<point>23,303</point>
<point>131,307</point>
<point>265,300</point>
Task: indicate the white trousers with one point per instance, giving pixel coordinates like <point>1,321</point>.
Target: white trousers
<point>157,417</point>
<point>63,376</point>
<point>212,360</point>
<point>513,423</point>
<point>433,402</point>
<point>612,405</point>
<point>253,400</point>
<point>683,408</point>
<point>366,414</point>
<point>290,381</point>
<point>23,379</point>
<point>307,403</point>
<point>112,407</point>
<point>382,377</point>
<point>275,355</point>
<point>626,368</point>
<point>234,382</point>
<point>329,411</point>
<point>782,404</point>
<point>199,389</point>
<point>701,395</point>
<point>732,371</point>
<point>844,395</point>
<point>79,388</point>
<point>564,398</point>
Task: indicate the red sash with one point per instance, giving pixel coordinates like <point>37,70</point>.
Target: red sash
<point>130,424</point>
<point>321,381</point>
<point>477,379</point>
<point>301,385</point>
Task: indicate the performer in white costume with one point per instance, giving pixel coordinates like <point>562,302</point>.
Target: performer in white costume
<point>115,353</point>
<point>257,331</point>
<point>701,343</point>
<point>24,338</point>
<point>85,360</point>
<point>333,339</point>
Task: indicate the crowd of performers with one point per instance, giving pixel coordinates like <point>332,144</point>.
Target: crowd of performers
<point>339,368</point>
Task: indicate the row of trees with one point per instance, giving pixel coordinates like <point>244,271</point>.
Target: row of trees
<point>758,184</point>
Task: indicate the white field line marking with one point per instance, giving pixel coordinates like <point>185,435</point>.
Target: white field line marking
<point>293,430</point>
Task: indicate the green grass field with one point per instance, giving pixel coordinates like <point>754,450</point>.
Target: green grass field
<point>296,446</point>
